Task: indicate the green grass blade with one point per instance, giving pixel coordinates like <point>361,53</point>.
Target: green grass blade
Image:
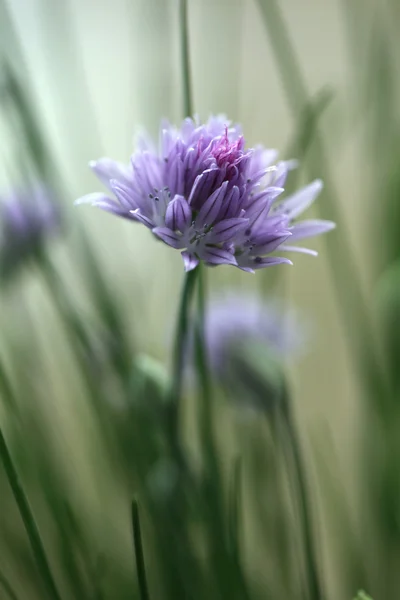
<point>6,585</point>
<point>28,520</point>
<point>139,556</point>
<point>305,131</point>
<point>297,465</point>
<point>106,303</point>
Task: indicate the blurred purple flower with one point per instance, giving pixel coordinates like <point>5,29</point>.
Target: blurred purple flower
<point>235,322</point>
<point>247,341</point>
<point>202,192</point>
<point>27,218</point>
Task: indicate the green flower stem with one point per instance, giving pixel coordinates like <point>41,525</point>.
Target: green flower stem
<point>295,462</point>
<point>204,379</point>
<point>139,556</point>
<point>28,520</point>
<point>235,506</point>
<point>176,508</point>
<point>185,58</point>
<point>229,577</point>
<point>182,330</point>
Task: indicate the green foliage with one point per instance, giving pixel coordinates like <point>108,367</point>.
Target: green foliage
<point>91,421</point>
<point>362,596</point>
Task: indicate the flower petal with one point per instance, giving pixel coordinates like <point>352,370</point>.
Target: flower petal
<point>211,207</point>
<point>169,237</point>
<point>259,262</point>
<point>143,141</point>
<point>261,160</point>
<point>283,168</point>
<point>105,203</point>
<point>189,260</point>
<point>175,176</point>
<point>107,169</point>
<point>124,195</point>
<point>178,214</point>
<point>92,199</point>
<point>299,249</point>
<point>231,204</point>
<point>202,187</point>
<point>263,200</point>
<point>310,228</point>
<point>268,235</point>
<point>147,172</point>
<point>218,256</point>
<point>166,138</point>
<point>142,218</point>
<point>226,230</point>
<point>300,201</point>
<point>269,246</point>
<point>263,221</point>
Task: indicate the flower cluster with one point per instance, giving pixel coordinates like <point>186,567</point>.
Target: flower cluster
<point>204,193</point>
<point>27,216</point>
<point>236,321</point>
<point>248,340</point>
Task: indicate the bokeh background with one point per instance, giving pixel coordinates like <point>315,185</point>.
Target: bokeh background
<point>93,73</point>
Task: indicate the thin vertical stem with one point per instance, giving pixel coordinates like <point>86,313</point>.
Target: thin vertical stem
<point>234,510</point>
<point>203,373</point>
<point>200,335</point>
<point>313,575</point>
<point>185,59</point>
<point>205,385</point>
<point>229,584</point>
<point>297,462</point>
<point>182,330</point>
<point>139,556</point>
<point>74,327</point>
<point>28,520</point>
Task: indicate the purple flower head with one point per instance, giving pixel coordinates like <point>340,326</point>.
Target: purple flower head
<point>234,322</point>
<point>27,218</point>
<point>247,342</point>
<point>204,193</point>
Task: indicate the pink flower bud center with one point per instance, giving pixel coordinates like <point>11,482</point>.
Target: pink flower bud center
<point>228,153</point>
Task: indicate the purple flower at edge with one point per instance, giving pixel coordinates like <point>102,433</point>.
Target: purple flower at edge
<point>27,217</point>
<point>204,193</point>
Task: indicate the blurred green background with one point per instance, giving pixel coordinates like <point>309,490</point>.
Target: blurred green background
<point>94,72</point>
